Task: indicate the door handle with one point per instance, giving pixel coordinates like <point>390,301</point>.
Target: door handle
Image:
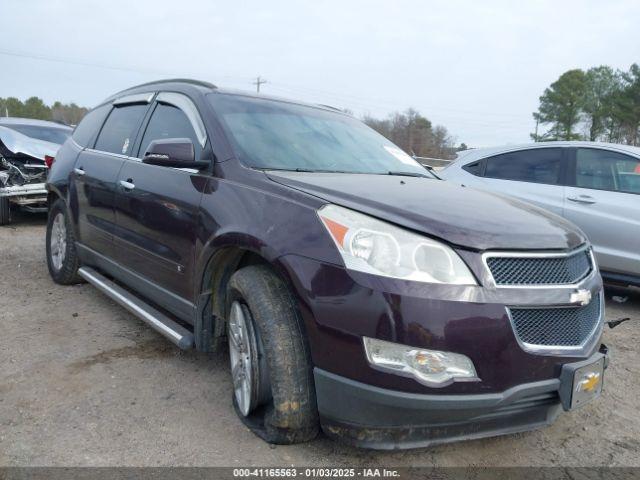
<point>128,185</point>
<point>587,200</point>
<point>79,171</point>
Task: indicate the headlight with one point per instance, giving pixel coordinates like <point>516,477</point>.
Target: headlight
<point>373,246</point>
<point>430,367</point>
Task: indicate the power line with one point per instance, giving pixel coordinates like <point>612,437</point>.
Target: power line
<point>68,61</point>
<point>77,62</point>
<point>361,103</point>
<point>477,120</point>
<point>365,101</point>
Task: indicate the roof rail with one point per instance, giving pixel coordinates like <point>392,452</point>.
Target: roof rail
<point>190,81</point>
<point>330,107</point>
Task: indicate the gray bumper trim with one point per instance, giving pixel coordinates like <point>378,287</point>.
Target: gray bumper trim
<point>343,399</point>
<point>373,417</point>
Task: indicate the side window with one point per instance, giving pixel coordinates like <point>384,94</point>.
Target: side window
<point>474,168</point>
<point>168,121</point>
<point>541,165</point>
<point>86,131</point>
<point>118,133</point>
<point>605,170</point>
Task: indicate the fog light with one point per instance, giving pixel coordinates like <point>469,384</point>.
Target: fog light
<point>430,367</point>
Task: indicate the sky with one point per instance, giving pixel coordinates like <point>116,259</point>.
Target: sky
<point>476,67</point>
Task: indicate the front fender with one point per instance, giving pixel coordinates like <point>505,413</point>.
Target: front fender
<point>267,219</point>
<point>58,179</point>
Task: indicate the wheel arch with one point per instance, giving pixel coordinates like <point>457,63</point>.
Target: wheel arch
<point>52,195</point>
<point>221,261</point>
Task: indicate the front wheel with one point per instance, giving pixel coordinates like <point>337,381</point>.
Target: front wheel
<point>274,394</point>
<point>62,257</point>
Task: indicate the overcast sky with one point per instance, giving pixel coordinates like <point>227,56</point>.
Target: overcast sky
<point>476,67</point>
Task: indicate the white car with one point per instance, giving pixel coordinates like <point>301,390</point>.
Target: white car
<point>595,185</point>
<point>27,148</point>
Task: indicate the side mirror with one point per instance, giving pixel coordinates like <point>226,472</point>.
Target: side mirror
<point>172,152</point>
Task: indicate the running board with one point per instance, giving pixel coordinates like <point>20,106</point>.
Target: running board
<point>157,320</point>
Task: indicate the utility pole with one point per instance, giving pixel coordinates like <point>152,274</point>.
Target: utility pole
<point>259,81</point>
<point>537,122</point>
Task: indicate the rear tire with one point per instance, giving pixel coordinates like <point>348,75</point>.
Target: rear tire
<point>283,406</point>
<point>62,257</point>
<point>5,211</point>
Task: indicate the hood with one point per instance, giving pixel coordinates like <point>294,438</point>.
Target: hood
<point>459,215</point>
<point>17,143</point>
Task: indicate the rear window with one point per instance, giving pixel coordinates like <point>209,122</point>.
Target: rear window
<point>541,165</point>
<point>118,133</point>
<point>606,170</point>
<point>48,134</point>
<point>86,131</point>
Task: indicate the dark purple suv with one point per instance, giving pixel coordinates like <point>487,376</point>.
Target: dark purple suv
<point>357,292</point>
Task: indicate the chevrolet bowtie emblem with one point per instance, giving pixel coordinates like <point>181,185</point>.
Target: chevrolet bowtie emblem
<point>581,297</point>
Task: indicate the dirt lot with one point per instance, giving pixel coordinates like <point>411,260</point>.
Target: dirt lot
<point>82,382</point>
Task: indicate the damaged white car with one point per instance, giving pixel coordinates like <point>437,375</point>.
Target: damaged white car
<point>27,150</point>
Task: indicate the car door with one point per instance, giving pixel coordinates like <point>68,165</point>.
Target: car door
<point>96,172</point>
<point>533,175</point>
<point>157,207</point>
<point>604,201</point>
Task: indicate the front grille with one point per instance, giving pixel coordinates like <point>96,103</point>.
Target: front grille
<point>564,270</point>
<point>563,327</point>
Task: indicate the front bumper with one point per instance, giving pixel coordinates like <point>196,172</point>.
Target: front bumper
<point>374,417</point>
<point>32,196</point>
<point>24,190</point>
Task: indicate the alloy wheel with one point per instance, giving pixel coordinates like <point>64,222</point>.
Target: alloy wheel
<point>244,359</point>
<point>58,241</point>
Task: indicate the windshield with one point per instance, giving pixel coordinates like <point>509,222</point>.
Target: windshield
<point>269,134</point>
<point>48,134</point>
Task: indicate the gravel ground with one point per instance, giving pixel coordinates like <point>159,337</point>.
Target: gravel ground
<point>84,383</point>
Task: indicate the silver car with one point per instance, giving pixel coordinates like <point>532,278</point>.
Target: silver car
<point>27,149</point>
<point>595,185</point>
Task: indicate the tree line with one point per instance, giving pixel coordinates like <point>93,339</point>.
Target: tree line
<point>34,107</point>
<point>600,104</point>
<point>415,134</point>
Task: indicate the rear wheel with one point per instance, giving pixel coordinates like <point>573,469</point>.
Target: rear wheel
<point>62,258</point>
<point>271,369</point>
<point>5,211</point>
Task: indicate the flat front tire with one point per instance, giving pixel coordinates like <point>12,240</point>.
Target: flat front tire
<point>274,394</point>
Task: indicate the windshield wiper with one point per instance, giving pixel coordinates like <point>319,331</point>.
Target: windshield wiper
<point>319,170</point>
<point>304,170</point>
<point>408,174</point>
<point>432,171</point>
<point>286,169</point>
